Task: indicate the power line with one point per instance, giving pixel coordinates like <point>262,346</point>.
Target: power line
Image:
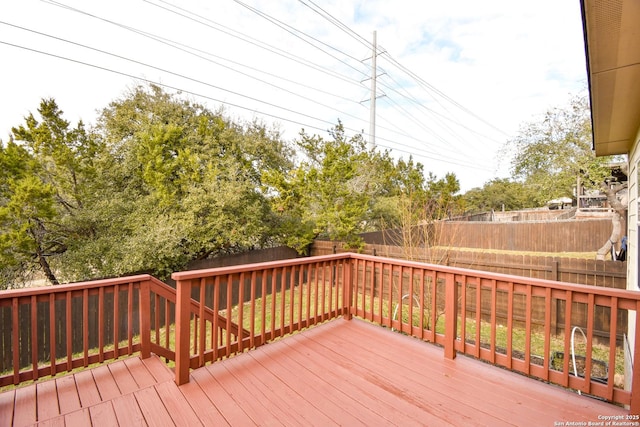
<point>243,37</point>
<point>181,75</point>
<point>200,95</point>
<point>293,31</point>
<point>247,39</point>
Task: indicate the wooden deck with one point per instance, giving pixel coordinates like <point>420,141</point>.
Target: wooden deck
<point>339,373</point>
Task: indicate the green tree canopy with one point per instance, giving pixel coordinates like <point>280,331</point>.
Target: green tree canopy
<point>46,175</point>
<point>177,182</point>
<point>341,189</point>
<point>498,194</point>
<point>552,152</point>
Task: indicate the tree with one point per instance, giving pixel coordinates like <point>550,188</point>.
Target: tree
<point>177,182</point>
<point>499,194</point>
<point>339,190</point>
<point>46,174</point>
<point>551,153</point>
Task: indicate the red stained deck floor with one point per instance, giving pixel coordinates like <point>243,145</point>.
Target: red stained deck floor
<point>340,373</point>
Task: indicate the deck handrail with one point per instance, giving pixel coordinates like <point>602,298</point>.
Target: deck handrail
<point>215,313</point>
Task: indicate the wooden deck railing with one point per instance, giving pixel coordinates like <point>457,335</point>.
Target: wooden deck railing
<point>216,313</point>
<point>268,300</point>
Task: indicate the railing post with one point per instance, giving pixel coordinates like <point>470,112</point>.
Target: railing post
<point>183,330</point>
<point>634,407</point>
<point>145,319</point>
<point>450,316</point>
<point>347,276</point>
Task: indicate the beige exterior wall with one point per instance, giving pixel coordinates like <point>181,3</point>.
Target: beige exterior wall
<point>633,223</point>
<point>632,216</point>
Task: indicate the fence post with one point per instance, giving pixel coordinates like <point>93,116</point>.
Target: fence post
<point>183,330</point>
<point>634,407</point>
<point>450,316</point>
<point>145,319</point>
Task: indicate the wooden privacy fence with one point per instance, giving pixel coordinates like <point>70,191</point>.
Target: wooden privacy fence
<point>584,235</point>
<point>202,321</point>
<point>611,274</point>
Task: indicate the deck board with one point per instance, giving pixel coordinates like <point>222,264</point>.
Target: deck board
<point>67,394</point>
<point>177,405</point>
<point>47,400</point>
<point>337,406</point>
<point>139,372</point>
<point>152,408</point>
<point>107,386</point>
<point>103,414</point>
<point>25,406</point>
<point>283,399</point>
<point>338,373</point>
<point>198,399</point>
<point>123,377</point>
<point>232,413</point>
<point>87,389</point>
<point>128,412</point>
<point>7,402</point>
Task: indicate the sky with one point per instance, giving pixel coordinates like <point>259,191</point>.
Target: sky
<point>455,80</point>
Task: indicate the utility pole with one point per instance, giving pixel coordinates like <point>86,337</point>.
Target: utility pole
<point>372,118</point>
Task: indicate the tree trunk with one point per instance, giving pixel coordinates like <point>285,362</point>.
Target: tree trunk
<point>42,260</point>
<point>616,234</point>
<point>620,213</point>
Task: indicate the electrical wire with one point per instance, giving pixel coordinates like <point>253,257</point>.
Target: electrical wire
<point>347,30</point>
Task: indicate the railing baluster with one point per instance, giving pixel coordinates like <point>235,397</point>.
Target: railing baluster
<point>478,318</point>
<point>613,329</point>
<point>567,332</point>
<point>215,332</point>
<point>274,278</point>
<point>85,326</point>
<point>101,324</point>
<point>527,334</point>
<point>228,315</point>
<point>52,332</point>
<point>252,314</point>
<point>421,303</point>
<point>494,302</point>
<point>15,340</point>
<point>68,333</point>
<point>463,316</point>
<point>390,297</point>
<point>145,319</point>
<point>240,320</point>
<point>510,296</point>
<point>283,294</point>
<point>324,291</point>
<point>410,300</point>
<point>203,322</point>
<point>263,319</point>
<point>130,318</point>
<point>308,287</point>
<point>116,321</point>
<point>292,299</point>
<point>547,333</point>
<point>589,356</point>
<point>34,336</point>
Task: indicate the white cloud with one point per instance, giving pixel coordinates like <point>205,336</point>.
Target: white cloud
<point>504,61</point>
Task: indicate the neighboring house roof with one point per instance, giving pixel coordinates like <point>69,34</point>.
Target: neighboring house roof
<point>612,44</point>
